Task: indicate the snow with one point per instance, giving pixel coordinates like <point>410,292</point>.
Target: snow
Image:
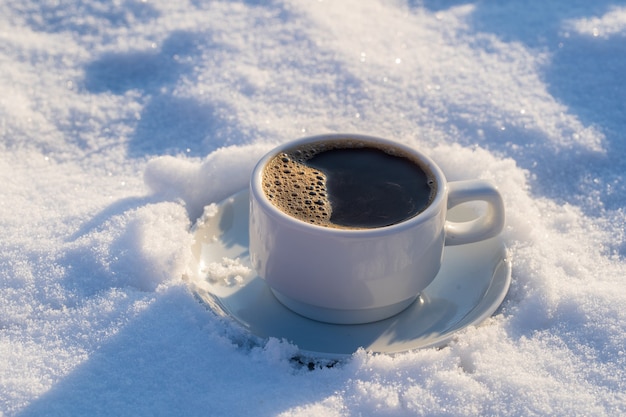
<point>120,121</point>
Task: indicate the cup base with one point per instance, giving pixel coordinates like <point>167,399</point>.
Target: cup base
<point>341,316</point>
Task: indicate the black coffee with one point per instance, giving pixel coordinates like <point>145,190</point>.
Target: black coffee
<point>346,184</point>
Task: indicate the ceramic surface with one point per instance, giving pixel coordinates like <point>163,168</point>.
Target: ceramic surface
<point>472,283</point>
<point>365,274</point>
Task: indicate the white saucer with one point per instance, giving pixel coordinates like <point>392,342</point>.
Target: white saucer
<point>470,286</point>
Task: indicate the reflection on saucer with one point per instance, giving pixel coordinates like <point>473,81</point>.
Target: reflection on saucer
<point>470,286</point>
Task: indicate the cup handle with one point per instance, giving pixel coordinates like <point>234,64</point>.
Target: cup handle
<point>484,227</point>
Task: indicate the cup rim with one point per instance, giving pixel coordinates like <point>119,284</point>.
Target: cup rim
<point>256,188</point>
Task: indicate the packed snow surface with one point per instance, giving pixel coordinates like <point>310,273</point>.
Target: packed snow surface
<point>120,121</point>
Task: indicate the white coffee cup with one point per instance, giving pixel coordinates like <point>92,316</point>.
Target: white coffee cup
<point>361,275</point>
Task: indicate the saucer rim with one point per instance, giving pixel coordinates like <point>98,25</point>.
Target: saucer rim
<point>215,303</point>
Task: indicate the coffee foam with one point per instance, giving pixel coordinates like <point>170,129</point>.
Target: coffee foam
<point>297,189</point>
<point>300,190</point>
